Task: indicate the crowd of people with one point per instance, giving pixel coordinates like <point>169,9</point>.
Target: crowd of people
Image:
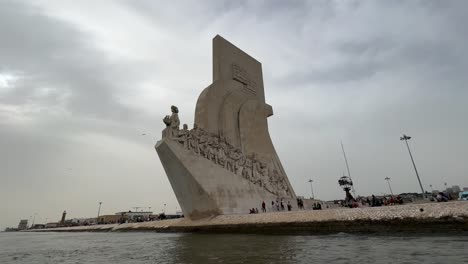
<point>442,197</point>
<point>280,205</point>
<point>384,201</point>
<point>371,201</point>
<point>317,206</point>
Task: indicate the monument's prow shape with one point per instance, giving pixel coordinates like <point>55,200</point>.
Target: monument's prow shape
<point>227,163</point>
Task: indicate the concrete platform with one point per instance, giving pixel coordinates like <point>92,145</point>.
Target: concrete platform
<point>428,217</point>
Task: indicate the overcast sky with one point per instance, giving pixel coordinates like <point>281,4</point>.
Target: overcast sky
<point>81,81</point>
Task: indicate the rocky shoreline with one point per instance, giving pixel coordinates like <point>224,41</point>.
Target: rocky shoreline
<point>427,217</point>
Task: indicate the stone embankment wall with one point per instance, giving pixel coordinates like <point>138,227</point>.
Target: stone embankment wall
<point>430,217</point>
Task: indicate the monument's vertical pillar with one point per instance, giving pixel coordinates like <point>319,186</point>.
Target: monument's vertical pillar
<point>234,105</point>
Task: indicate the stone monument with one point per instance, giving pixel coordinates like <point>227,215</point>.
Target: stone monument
<point>225,164</point>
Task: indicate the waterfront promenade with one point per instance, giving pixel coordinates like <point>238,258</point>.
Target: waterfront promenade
<point>431,217</point>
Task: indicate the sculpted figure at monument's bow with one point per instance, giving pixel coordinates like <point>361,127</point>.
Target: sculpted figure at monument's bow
<point>172,122</point>
<point>227,163</point>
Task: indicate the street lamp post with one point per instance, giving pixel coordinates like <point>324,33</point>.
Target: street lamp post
<point>389,186</point>
<point>98,212</point>
<point>406,138</point>
<point>311,188</point>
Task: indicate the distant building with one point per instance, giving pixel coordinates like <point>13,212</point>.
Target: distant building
<point>83,221</point>
<point>23,224</point>
<point>90,221</point>
<point>465,189</point>
<point>136,216</point>
<point>111,219</point>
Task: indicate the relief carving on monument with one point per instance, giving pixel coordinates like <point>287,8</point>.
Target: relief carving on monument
<point>219,151</point>
<point>240,74</point>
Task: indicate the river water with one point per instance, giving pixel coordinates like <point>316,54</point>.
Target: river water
<point>146,247</point>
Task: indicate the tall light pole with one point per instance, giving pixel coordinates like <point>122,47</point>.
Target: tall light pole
<point>98,212</point>
<point>311,188</point>
<point>389,186</point>
<point>406,138</point>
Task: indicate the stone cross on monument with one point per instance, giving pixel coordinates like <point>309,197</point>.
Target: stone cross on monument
<point>227,163</point>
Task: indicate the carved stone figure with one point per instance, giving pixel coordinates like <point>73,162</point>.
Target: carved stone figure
<point>210,149</point>
<point>247,169</point>
<point>194,138</point>
<point>236,159</point>
<point>172,123</point>
<point>182,136</point>
<point>222,151</point>
<point>256,168</point>
<point>229,161</point>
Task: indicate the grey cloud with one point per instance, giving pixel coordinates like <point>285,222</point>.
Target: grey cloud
<point>48,53</point>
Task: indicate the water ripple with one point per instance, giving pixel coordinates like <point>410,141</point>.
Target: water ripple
<point>135,248</point>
